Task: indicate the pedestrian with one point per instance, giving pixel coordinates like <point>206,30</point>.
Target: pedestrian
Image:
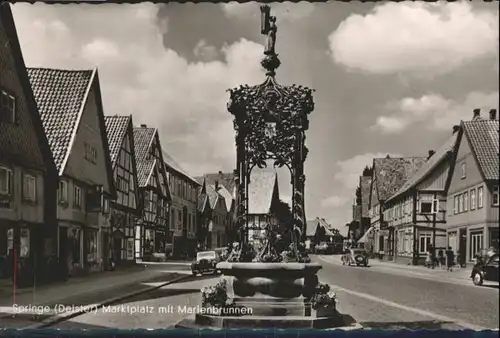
<point>428,259</point>
<point>441,259</point>
<point>450,259</point>
<point>432,251</point>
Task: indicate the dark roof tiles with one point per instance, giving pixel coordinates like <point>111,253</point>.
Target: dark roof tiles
<point>483,136</point>
<point>116,129</point>
<point>365,184</point>
<point>142,140</point>
<point>60,96</point>
<point>429,165</point>
<point>392,173</point>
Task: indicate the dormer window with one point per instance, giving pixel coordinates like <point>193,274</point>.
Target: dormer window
<point>7,107</point>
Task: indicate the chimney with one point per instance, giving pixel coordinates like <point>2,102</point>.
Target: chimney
<point>477,114</point>
<point>144,125</point>
<point>493,114</point>
<point>216,185</point>
<point>220,172</point>
<point>431,152</point>
<point>388,156</point>
<point>456,129</point>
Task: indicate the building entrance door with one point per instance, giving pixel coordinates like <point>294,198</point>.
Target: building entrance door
<point>462,247</point>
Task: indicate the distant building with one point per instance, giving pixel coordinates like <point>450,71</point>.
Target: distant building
<point>318,230</point>
<point>473,196</point>
<point>126,210</point>
<point>184,190</point>
<point>389,175</point>
<point>153,232</point>
<point>417,211</point>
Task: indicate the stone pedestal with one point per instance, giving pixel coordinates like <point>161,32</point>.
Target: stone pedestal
<point>271,296</point>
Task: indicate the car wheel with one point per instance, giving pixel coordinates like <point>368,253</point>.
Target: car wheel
<point>195,273</point>
<point>477,279</point>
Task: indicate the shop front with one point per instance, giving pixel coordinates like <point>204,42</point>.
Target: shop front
<point>90,250</point>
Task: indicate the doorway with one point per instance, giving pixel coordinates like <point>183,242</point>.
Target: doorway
<point>462,247</point>
<point>117,249</point>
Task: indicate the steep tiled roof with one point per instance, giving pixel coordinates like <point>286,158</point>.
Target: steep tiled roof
<point>227,196</point>
<point>365,183</point>
<point>260,190</point>
<point>483,136</point>
<point>213,196</point>
<point>170,162</point>
<point>25,142</point>
<point>142,140</point>
<point>116,129</point>
<point>392,173</point>
<point>225,179</point>
<point>441,154</point>
<point>60,96</point>
<point>144,169</point>
<point>143,137</point>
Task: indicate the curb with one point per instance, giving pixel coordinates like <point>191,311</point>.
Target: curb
<point>57,319</point>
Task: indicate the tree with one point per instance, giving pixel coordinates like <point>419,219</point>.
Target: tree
<point>283,213</point>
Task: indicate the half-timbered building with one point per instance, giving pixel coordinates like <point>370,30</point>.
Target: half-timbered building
<point>416,213</point>
<point>152,231</point>
<point>126,210</point>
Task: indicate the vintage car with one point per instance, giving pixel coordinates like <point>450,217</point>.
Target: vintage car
<point>206,261</point>
<point>486,269</point>
<point>354,256</point>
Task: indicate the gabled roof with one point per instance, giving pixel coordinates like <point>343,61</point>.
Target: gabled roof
<point>391,173</point>
<point>483,137</point>
<point>143,138</point>
<point>12,44</point>
<point>202,201</point>
<point>61,97</point>
<point>365,185</point>
<point>171,163</point>
<point>116,129</point>
<point>261,190</point>
<point>312,226</point>
<point>144,170</point>
<point>213,196</point>
<point>228,197</point>
<point>225,179</point>
<point>439,156</point>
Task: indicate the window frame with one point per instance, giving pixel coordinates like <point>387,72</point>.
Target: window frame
<point>27,194</point>
<point>427,242</point>
<point>432,206</point>
<point>480,197</point>
<point>77,192</point>
<point>473,201</point>
<point>495,193</point>
<point>13,110</point>
<point>64,200</point>
<point>463,168</point>
<point>466,201</point>
<point>9,177</point>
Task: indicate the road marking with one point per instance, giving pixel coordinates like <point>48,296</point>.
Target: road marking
<point>410,309</point>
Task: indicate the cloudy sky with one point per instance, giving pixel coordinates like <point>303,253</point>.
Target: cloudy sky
<point>390,78</point>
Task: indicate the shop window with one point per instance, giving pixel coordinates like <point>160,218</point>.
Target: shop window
<point>24,243</point>
<point>476,243</point>
<point>494,238</point>
<point>91,246</point>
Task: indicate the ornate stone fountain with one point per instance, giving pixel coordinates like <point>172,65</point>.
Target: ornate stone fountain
<point>266,289</point>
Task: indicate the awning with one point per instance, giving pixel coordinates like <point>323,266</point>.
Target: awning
<point>368,235</point>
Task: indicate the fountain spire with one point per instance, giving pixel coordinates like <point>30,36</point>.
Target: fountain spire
<point>270,62</point>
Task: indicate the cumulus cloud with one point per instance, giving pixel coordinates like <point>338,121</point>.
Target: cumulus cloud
<point>139,76</point>
<point>205,52</point>
<point>415,37</point>
<point>346,179</point>
<point>284,11</point>
<point>437,112</point>
<point>334,201</point>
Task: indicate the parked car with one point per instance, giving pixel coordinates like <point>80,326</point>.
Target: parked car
<point>486,269</point>
<point>354,256</point>
<point>323,248</point>
<point>206,262</point>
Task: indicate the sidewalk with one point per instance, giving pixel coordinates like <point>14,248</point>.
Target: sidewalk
<point>97,283</point>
